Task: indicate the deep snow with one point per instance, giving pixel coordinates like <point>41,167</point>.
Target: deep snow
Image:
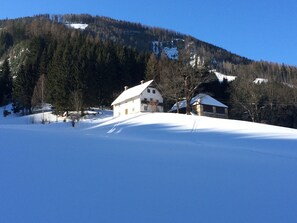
<point>147,168</point>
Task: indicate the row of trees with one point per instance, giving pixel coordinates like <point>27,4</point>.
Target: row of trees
<point>261,69</point>
<point>273,102</point>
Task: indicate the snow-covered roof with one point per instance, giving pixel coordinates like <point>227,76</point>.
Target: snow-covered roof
<point>203,99</point>
<point>260,81</point>
<point>221,77</point>
<point>132,92</point>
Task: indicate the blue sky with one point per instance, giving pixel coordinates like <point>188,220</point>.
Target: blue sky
<point>257,29</point>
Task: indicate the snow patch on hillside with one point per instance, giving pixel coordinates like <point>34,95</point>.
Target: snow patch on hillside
<point>260,81</point>
<point>172,53</point>
<point>81,26</point>
<point>221,77</point>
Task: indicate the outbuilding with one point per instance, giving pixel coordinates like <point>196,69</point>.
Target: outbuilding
<point>203,105</point>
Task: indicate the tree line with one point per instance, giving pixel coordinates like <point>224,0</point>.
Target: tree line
<point>273,101</point>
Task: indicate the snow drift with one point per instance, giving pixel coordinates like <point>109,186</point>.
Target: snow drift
<point>147,168</point>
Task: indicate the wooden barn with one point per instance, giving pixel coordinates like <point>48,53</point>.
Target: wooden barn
<point>203,105</point>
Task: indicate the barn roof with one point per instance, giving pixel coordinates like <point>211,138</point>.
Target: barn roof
<point>131,92</point>
<point>203,99</point>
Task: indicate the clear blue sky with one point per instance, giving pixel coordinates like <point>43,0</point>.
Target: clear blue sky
<point>257,29</point>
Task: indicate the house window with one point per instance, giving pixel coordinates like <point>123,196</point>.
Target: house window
<point>220,110</point>
<point>148,90</point>
<point>154,91</point>
<point>145,108</point>
<point>207,108</point>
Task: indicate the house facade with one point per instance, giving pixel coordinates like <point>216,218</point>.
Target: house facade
<point>203,105</point>
<point>141,98</point>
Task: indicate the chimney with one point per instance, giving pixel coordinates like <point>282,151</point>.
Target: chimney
<point>126,87</point>
<point>142,81</point>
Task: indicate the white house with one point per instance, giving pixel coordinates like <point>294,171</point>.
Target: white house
<point>141,98</point>
<point>203,105</point>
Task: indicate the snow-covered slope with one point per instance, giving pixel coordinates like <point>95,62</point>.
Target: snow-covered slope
<point>147,168</point>
<point>260,81</point>
<point>81,26</point>
<point>171,50</point>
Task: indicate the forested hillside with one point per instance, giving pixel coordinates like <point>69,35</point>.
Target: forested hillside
<point>73,65</point>
<point>42,58</point>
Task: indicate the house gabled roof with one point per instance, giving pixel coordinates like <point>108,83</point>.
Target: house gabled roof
<point>132,92</point>
<point>203,99</point>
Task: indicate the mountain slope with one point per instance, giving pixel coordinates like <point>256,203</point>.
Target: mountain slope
<point>92,58</point>
<point>151,39</point>
<point>138,36</point>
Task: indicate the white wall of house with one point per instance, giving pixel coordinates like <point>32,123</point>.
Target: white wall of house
<point>130,106</point>
<point>134,105</point>
<point>154,100</point>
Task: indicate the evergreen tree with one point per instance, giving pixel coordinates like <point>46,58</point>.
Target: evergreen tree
<point>23,88</point>
<point>5,83</point>
<point>56,87</point>
<point>6,41</point>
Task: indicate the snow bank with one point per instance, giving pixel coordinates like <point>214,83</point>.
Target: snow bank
<point>148,168</point>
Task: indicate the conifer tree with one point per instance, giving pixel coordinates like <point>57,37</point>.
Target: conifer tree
<point>23,87</point>
<point>5,83</point>
<point>56,87</point>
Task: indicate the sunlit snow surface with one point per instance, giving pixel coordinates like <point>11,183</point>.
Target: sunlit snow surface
<point>147,168</point>
<point>77,25</point>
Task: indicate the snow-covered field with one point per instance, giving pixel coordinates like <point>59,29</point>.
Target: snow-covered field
<point>147,168</point>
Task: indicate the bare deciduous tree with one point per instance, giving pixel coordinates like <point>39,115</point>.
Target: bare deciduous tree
<point>194,74</point>
<point>181,79</point>
<point>170,82</point>
<point>77,101</point>
<point>246,98</point>
<point>39,92</point>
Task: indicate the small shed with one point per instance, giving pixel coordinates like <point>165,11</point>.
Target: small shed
<point>203,105</point>
<point>144,97</point>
